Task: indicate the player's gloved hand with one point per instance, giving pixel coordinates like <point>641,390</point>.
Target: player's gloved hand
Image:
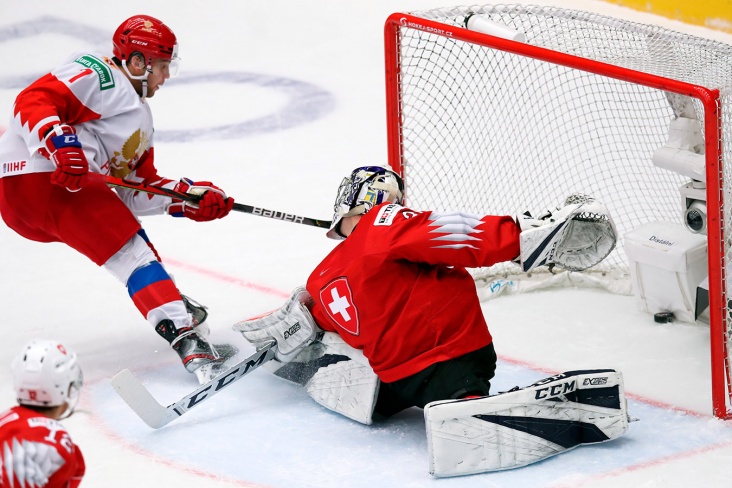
<point>214,204</point>
<point>64,149</point>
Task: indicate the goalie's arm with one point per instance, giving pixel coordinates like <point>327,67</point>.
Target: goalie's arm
<point>453,238</point>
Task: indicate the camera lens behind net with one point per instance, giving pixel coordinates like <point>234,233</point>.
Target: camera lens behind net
<point>695,217</point>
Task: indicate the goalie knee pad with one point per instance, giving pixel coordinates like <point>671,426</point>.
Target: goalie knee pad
<point>523,426</point>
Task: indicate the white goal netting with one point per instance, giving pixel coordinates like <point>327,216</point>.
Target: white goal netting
<point>580,106</point>
<point>488,131</point>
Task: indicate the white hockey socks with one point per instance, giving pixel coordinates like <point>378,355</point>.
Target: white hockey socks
<point>523,426</point>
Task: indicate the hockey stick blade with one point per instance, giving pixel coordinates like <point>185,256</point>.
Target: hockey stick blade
<point>238,207</point>
<point>156,415</point>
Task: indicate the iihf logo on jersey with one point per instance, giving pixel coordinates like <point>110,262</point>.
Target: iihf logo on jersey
<point>337,300</point>
<point>13,166</point>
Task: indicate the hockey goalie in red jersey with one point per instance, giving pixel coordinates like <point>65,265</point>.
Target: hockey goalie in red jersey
<point>423,256</point>
<point>90,118</point>
<point>391,319</point>
<point>35,449</point>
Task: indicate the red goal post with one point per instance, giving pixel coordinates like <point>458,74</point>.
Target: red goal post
<point>486,124</point>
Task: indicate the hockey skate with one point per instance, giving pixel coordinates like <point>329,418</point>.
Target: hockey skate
<point>198,356</point>
<point>199,314</point>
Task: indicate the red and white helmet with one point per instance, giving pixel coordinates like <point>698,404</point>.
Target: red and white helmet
<point>147,36</point>
<point>46,374</point>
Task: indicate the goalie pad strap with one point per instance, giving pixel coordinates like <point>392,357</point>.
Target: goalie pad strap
<point>523,426</point>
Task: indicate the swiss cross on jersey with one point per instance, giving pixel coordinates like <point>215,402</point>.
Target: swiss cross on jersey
<point>337,300</point>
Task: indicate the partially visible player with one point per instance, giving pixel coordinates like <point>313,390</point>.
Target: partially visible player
<point>403,326</point>
<point>90,117</point>
<point>35,449</point>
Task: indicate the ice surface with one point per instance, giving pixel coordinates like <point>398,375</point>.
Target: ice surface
<point>276,103</point>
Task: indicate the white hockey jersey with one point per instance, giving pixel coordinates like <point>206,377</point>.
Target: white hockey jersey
<point>114,126</point>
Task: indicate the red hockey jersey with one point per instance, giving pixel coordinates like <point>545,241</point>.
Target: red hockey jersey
<point>37,451</point>
<point>397,287</point>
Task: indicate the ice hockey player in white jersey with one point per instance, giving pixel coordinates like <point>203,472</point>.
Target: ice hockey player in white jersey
<point>87,119</point>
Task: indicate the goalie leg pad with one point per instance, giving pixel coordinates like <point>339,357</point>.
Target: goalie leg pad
<point>336,376</point>
<point>523,426</point>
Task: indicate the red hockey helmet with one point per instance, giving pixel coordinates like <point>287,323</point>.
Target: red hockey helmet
<point>145,35</point>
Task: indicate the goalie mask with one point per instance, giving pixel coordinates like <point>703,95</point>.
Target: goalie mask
<point>365,188</point>
<point>46,374</point>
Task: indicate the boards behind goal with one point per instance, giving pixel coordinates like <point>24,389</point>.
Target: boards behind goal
<point>553,102</point>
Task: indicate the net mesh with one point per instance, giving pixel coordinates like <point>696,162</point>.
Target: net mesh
<point>492,132</point>
<point>488,131</point>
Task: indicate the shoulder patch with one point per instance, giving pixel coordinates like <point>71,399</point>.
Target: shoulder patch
<point>106,80</point>
<point>387,213</point>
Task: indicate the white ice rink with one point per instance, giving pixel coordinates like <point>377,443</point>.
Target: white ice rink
<point>276,102</point>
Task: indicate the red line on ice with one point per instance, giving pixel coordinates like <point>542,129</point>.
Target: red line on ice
<point>226,278</point>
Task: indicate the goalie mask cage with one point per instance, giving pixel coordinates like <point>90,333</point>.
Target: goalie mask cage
<point>489,125</point>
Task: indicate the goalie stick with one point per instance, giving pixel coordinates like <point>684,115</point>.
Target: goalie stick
<point>239,207</point>
<point>156,415</point>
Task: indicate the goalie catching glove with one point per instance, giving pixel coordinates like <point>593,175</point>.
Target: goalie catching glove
<point>291,326</point>
<point>576,236</point>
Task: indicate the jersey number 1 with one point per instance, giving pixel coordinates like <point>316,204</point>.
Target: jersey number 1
<point>82,74</point>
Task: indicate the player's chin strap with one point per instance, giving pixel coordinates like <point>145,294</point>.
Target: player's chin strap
<point>142,78</point>
<point>239,207</point>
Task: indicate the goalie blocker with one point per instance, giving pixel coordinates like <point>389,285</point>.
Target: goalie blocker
<point>334,374</point>
<point>523,426</point>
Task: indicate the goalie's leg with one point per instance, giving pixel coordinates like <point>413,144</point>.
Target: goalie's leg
<point>526,425</point>
<point>460,377</point>
<point>336,376</point>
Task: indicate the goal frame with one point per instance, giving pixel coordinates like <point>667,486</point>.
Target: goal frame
<point>709,99</point>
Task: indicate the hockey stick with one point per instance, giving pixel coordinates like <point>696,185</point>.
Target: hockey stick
<point>156,415</point>
<point>239,207</point>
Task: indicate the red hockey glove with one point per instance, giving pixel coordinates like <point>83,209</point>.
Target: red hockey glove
<point>214,204</point>
<point>65,151</point>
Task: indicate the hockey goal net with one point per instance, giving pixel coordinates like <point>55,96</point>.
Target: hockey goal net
<point>557,101</point>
